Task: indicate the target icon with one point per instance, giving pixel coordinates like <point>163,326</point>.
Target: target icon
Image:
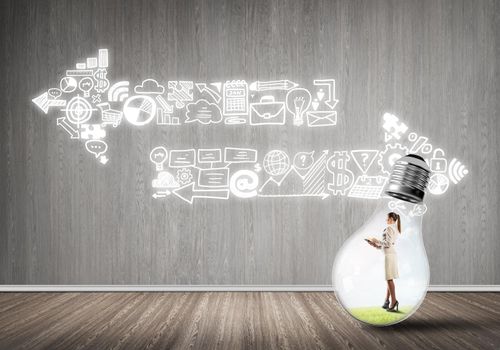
<point>78,110</point>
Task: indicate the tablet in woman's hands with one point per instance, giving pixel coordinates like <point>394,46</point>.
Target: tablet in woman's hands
<point>373,241</point>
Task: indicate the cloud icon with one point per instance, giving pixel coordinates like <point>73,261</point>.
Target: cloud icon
<point>165,180</point>
<point>149,86</point>
<point>203,112</point>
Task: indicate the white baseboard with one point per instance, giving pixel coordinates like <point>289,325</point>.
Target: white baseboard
<point>464,288</point>
<point>218,288</point>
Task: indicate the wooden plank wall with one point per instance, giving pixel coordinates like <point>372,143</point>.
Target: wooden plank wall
<point>66,220</point>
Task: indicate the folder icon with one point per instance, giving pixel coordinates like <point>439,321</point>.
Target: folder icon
<point>321,118</point>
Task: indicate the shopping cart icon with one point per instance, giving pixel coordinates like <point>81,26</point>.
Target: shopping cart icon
<point>110,116</point>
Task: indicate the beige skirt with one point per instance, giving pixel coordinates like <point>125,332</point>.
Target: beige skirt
<point>391,266</point>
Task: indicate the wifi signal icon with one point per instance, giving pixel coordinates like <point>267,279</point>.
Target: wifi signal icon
<point>118,92</point>
<point>456,171</point>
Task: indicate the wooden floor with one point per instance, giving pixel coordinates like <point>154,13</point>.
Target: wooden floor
<point>237,321</point>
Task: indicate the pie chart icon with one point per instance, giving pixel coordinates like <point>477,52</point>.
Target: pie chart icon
<point>438,184</point>
<point>139,110</point>
<point>68,84</point>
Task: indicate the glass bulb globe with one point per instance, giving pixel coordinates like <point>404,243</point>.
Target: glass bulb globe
<point>360,271</point>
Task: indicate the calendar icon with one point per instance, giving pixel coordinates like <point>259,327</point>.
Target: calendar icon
<point>235,98</point>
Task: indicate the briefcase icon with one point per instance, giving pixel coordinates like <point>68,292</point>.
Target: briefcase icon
<point>321,118</point>
<point>267,112</point>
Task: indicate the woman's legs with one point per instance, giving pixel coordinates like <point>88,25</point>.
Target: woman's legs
<point>392,291</point>
<point>388,293</point>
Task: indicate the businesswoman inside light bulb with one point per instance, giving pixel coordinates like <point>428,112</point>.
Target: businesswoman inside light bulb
<point>389,237</point>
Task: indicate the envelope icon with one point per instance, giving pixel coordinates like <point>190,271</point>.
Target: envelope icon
<point>321,118</point>
<point>267,112</point>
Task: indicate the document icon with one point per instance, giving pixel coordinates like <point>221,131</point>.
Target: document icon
<point>267,112</point>
<point>321,118</point>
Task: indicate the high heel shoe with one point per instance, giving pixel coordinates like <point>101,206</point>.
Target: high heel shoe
<point>386,304</point>
<point>395,308</point>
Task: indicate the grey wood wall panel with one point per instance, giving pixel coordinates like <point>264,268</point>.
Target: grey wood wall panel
<point>66,220</point>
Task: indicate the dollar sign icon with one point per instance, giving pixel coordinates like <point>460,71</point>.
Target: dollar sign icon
<point>102,83</point>
<point>343,178</point>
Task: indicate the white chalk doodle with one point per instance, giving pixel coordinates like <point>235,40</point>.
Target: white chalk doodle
<point>244,184</point>
<point>298,101</point>
<point>88,104</point>
<point>118,92</point>
<point>180,92</point>
<point>139,110</point>
<point>158,156</point>
<point>149,87</point>
<point>267,112</point>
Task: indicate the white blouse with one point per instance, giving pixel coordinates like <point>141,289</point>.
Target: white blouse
<point>389,239</point>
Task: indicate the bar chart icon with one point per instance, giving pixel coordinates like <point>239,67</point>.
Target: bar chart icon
<point>103,58</point>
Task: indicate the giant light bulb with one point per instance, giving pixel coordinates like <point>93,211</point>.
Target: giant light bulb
<point>359,270</point>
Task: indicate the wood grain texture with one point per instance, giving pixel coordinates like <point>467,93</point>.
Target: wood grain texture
<point>237,321</point>
<point>66,220</point>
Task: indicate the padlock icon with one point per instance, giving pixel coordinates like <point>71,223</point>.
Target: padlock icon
<point>438,162</point>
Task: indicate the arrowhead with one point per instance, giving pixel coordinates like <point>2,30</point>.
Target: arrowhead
<point>185,192</point>
<point>41,102</point>
<point>74,134</point>
<point>157,195</point>
<point>201,86</point>
<point>333,103</point>
<point>217,85</point>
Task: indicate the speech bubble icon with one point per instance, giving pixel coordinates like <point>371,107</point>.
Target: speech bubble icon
<point>54,93</point>
<point>96,147</point>
<point>303,160</point>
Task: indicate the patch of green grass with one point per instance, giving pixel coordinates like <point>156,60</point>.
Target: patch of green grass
<point>378,316</point>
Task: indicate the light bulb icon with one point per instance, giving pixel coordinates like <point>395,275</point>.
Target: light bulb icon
<point>86,84</point>
<point>158,156</point>
<point>298,101</point>
<point>381,273</point>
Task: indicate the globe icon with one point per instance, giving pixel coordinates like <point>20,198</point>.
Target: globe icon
<point>276,163</point>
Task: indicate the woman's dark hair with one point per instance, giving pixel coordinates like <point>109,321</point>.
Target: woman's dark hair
<point>395,217</point>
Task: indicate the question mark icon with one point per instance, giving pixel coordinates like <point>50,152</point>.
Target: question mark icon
<point>364,156</point>
<point>303,160</point>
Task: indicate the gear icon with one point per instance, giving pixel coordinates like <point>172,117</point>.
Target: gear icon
<point>184,176</point>
<point>388,157</point>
